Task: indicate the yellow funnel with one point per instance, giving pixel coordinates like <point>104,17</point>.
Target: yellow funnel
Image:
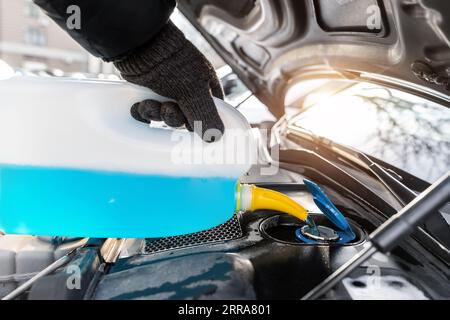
<point>251,198</point>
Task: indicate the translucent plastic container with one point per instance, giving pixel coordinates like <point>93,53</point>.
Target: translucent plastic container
<point>73,162</point>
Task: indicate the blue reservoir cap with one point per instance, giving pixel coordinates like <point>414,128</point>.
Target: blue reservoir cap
<point>330,211</point>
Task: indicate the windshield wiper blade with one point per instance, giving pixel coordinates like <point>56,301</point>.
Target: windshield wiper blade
<point>401,192</point>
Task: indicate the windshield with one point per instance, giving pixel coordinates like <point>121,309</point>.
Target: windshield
<point>404,130</point>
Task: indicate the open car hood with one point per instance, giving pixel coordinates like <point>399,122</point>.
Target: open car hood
<point>271,44</point>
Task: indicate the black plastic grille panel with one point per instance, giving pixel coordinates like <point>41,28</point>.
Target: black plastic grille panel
<point>227,231</point>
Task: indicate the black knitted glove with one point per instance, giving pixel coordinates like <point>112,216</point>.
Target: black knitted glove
<point>171,66</point>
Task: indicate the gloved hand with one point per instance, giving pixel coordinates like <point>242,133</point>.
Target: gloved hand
<point>171,66</point>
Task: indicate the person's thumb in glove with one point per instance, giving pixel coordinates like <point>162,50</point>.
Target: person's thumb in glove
<point>171,66</point>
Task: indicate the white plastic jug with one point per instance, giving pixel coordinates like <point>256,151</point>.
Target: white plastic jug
<point>73,162</point>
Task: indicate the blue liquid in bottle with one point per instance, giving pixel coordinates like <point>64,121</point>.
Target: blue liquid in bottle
<point>90,203</point>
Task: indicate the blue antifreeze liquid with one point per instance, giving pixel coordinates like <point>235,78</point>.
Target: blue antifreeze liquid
<point>87,203</point>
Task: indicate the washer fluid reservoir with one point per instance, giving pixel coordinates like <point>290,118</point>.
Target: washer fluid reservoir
<point>73,162</point>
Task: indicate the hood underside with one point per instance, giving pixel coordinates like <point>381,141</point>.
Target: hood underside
<point>270,44</point>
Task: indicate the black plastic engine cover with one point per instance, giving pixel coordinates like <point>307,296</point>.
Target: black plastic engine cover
<point>197,276</point>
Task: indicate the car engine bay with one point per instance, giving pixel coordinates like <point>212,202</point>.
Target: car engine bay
<point>252,256</point>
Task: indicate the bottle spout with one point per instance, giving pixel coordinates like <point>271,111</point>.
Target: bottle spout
<point>251,198</point>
